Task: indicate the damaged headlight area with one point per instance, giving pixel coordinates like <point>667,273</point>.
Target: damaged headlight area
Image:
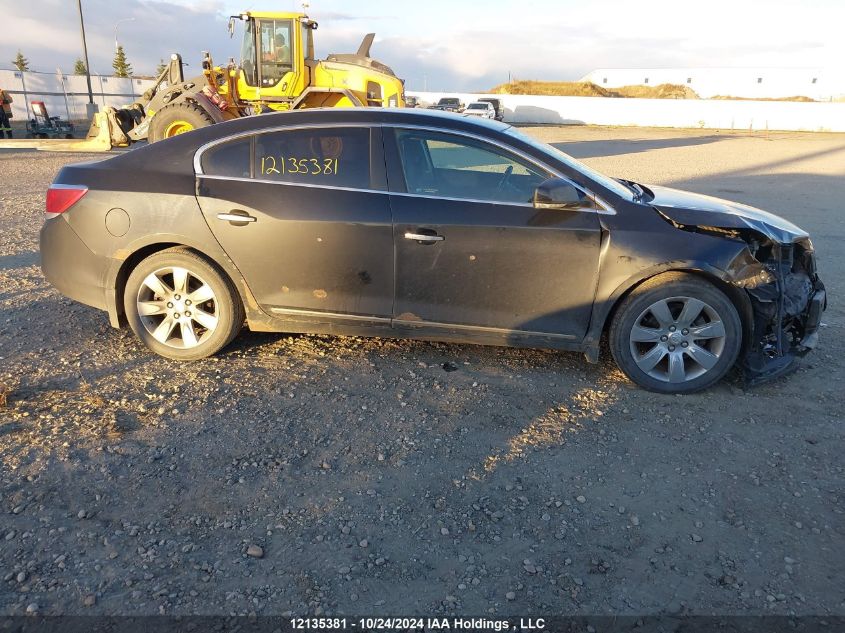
<point>787,299</point>
<point>777,271</point>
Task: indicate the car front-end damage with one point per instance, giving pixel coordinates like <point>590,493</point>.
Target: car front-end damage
<point>787,299</point>
<point>776,270</point>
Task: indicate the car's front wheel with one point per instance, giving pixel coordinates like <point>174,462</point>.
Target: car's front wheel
<point>676,333</point>
<point>181,306</point>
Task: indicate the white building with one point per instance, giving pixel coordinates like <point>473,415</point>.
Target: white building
<point>66,95</point>
<point>753,83</point>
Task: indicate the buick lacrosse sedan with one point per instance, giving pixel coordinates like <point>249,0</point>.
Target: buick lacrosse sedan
<point>407,223</point>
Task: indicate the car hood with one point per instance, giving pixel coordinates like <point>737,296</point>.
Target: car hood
<point>692,209</point>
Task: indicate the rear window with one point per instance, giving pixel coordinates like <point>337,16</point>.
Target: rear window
<point>338,157</point>
<point>228,159</point>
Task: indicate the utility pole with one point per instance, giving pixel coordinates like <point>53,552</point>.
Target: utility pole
<point>91,108</point>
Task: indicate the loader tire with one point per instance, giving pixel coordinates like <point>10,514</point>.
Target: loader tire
<point>177,118</point>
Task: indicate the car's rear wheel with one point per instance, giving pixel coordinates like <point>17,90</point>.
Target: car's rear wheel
<point>182,306</point>
<point>676,333</point>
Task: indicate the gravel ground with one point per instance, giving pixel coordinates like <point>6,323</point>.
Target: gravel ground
<point>321,475</point>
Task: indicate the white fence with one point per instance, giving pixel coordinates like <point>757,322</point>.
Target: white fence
<point>821,84</point>
<point>679,113</point>
<point>66,95</point>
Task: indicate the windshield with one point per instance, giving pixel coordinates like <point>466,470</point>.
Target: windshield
<point>275,43</point>
<point>605,181</point>
<point>477,106</point>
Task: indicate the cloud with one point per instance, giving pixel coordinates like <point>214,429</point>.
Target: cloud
<point>49,35</point>
<point>331,16</point>
<point>448,45</point>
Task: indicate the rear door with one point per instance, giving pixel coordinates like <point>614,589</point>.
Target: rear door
<point>472,252</point>
<point>305,216</point>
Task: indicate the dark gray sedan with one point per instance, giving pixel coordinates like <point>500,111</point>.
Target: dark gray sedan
<point>407,223</point>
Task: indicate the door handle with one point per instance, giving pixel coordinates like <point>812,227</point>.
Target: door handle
<point>422,237</point>
<point>235,217</point>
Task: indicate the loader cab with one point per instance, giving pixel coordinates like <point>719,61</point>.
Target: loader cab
<point>274,54</point>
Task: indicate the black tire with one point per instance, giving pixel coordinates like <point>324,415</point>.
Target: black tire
<point>633,350</point>
<point>224,307</point>
<point>188,111</point>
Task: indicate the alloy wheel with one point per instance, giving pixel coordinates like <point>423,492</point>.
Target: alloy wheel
<point>177,307</point>
<point>677,339</point>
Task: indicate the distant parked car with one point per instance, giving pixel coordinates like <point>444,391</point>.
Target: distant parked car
<point>448,104</point>
<point>412,102</point>
<point>497,106</point>
<point>481,108</point>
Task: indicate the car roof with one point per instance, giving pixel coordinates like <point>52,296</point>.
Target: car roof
<point>341,116</point>
<point>393,116</point>
<point>180,149</point>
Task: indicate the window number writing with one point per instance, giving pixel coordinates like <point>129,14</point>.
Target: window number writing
<point>292,165</point>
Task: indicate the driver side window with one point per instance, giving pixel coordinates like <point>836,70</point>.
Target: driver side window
<point>453,166</point>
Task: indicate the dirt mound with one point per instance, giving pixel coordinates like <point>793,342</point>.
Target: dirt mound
<point>552,88</point>
<point>661,91</point>
<point>589,89</point>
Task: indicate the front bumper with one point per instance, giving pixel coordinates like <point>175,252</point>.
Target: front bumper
<point>70,266</point>
<point>787,319</point>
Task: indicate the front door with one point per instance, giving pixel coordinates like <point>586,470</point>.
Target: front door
<point>303,215</point>
<point>472,252</point>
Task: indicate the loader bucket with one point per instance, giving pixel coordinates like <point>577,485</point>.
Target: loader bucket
<point>98,137</point>
<point>97,140</point>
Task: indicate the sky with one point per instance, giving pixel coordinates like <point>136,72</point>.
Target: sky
<point>442,45</point>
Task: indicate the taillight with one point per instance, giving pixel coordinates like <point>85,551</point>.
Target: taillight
<point>60,198</point>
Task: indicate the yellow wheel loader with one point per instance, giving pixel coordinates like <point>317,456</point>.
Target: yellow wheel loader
<point>278,71</point>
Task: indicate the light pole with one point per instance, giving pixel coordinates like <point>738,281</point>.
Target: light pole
<point>91,108</point>
<point>115,30</point>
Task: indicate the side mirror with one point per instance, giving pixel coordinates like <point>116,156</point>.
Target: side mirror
<point>557,193</point>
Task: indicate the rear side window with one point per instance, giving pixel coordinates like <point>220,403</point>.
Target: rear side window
<point>228,159</point>
<point>338,157</point>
